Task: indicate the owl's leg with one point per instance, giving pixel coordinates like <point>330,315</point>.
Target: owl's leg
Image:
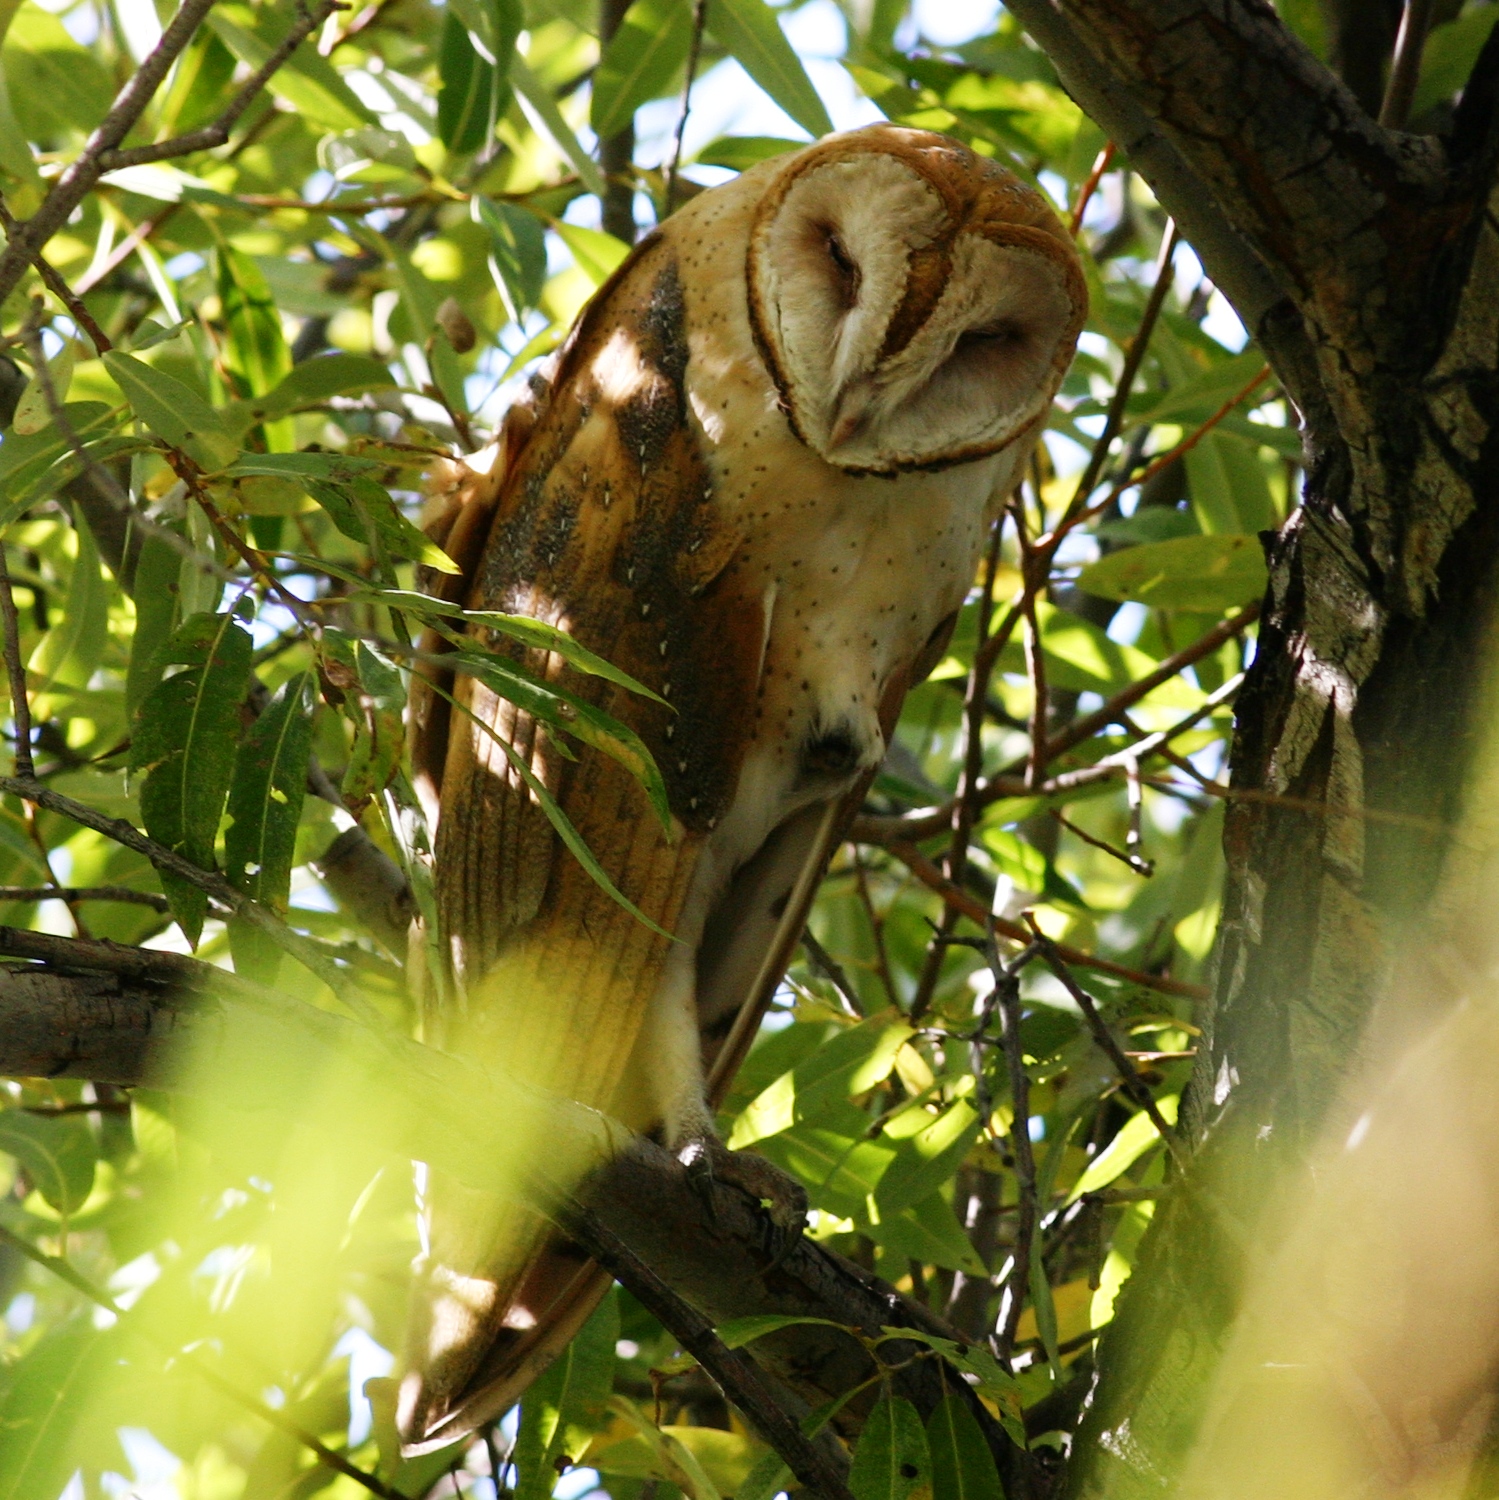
<point>673,1059</point>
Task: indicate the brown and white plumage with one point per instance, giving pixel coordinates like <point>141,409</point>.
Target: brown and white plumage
<point>759,481</point>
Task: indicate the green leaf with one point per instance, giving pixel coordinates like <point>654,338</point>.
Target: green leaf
<point>175,412</point>
<point>1136,1136</point>
<point>1448,56</point>
<point>738,153</point>
<point>891,1458</point>
<point>1208,573</point>
<point>927,1231</point>
<point>306,81</point>
<point>255,351</point>
<point>468,90</point>
<point>517,253</point>
<point>927,1152</point>
<point>335,468</point>
<point>854,1061</point>
<point>738,1332</point>
<point>73,647</point>
<point>640,61</point>
<point>374,701</point>
<point>974,1359</point>
<point>535,633</point>
<point>596,254</point>
<point>962,1465</point>
<point>749,29</point>
<point>58,1152</point>
<point>548,119</point>
<point>309,384</point>
<point>46,1397</point>
<point>156,572</point>
<point>265,804</point>
<point>196,94</point>
<point>184,739</point>
<point>563,711</point>
<point>55,85</point>
<point>495,24</point>
<point>365,512</point>
<point>33,411</point>
<point>567,1404</point>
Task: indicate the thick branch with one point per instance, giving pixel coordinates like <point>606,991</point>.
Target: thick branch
<point>277,1054</point>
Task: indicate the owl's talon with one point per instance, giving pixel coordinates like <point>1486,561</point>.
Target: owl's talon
<point>709,1161</point>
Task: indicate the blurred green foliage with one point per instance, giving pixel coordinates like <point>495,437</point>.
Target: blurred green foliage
<point>400,225</point>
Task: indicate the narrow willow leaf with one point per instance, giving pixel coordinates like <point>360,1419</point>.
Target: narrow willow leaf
<point>59,1154</point>
<point>738,1332</point>
<point>365,512</point>
<point>596,254</point>
<point>184,739</point>
<point>254,350</point>
<point>545,114</point>
<point>265,804</point>
<point>567,1404</point>
<point>928,1231</point>
<point>175,412</point>
<point>1135,1137</point>
<point>640,61</point>
<point>314,381</point>
<point>156,571</point>
<point>562,710</point>
<point>750,31</point>
<point>374,702</point>
<point>962,1465</point>
<point>1192,572</point>
<point>495,24</point>
<point>33,410</point>
<point>334,468</point>
<point>741,152</point>
<point>517,253</point>
<point>46,1396</point>
<point>195,96</point>
<point>72,648</point>
<point>891,1458</point>
<point>467,90</point>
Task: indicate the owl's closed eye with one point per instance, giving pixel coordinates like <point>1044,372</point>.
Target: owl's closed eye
<point>915,303</point>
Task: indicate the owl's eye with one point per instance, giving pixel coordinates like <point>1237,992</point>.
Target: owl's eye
<point>845,269</point>
<point>1001,335</point>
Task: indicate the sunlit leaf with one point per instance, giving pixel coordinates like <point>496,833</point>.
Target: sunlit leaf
<point>1192,572</point>
<point>173,411</point>
<point>59,1154</point>
<point>518,253</point>
<point>750,30</point>
<point>265,803</point>
<point>71,650</point>
<point>640,61</point>
<point>186,731</point>
<point>1133,1140</point>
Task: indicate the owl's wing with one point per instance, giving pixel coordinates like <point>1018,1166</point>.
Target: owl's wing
<point>597,516</point>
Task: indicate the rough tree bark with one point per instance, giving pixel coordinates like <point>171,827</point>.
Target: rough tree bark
<point>1366,261</point>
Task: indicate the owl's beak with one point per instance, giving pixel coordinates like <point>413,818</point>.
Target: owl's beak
<point>850,412</point>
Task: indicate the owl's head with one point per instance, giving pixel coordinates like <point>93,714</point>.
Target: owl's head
<point>917,304</point>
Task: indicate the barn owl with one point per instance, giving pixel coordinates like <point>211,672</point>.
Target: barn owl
<point>758,479</point>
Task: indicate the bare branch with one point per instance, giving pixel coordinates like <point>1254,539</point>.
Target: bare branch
<point>1415,22</point>
<point>15,671</point>
<point>81,174</point>
<point>84,893</point>
<point>215,887</point>
<point>211,136</point>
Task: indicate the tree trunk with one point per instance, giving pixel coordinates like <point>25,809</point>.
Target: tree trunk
<point>1367,264</point>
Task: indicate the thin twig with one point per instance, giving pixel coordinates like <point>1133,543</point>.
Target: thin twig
<point>1090,186</point>
<point>1035,662</point>
<point>972,908</point>
<point>59,288</point>
<point>699,16</point>
<point>84,893</point>
<point>1139,866</point>
<point>64,1270</point>
<point>215,887</point>
<point>1134,1085</point>
<point>20,704</point>
<point>1405,71</point>
<point>84,170</point>
<point>738,1376</point>
<point>1133,359</point>
<point>217,134</point>
<point>125,249</point>
<point>1007,991</point>
<point>831,970</point>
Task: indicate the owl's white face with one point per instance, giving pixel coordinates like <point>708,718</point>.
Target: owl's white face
<point>916,303</point>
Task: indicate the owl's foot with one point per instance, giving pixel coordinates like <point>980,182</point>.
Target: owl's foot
<point>709,1161</point>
